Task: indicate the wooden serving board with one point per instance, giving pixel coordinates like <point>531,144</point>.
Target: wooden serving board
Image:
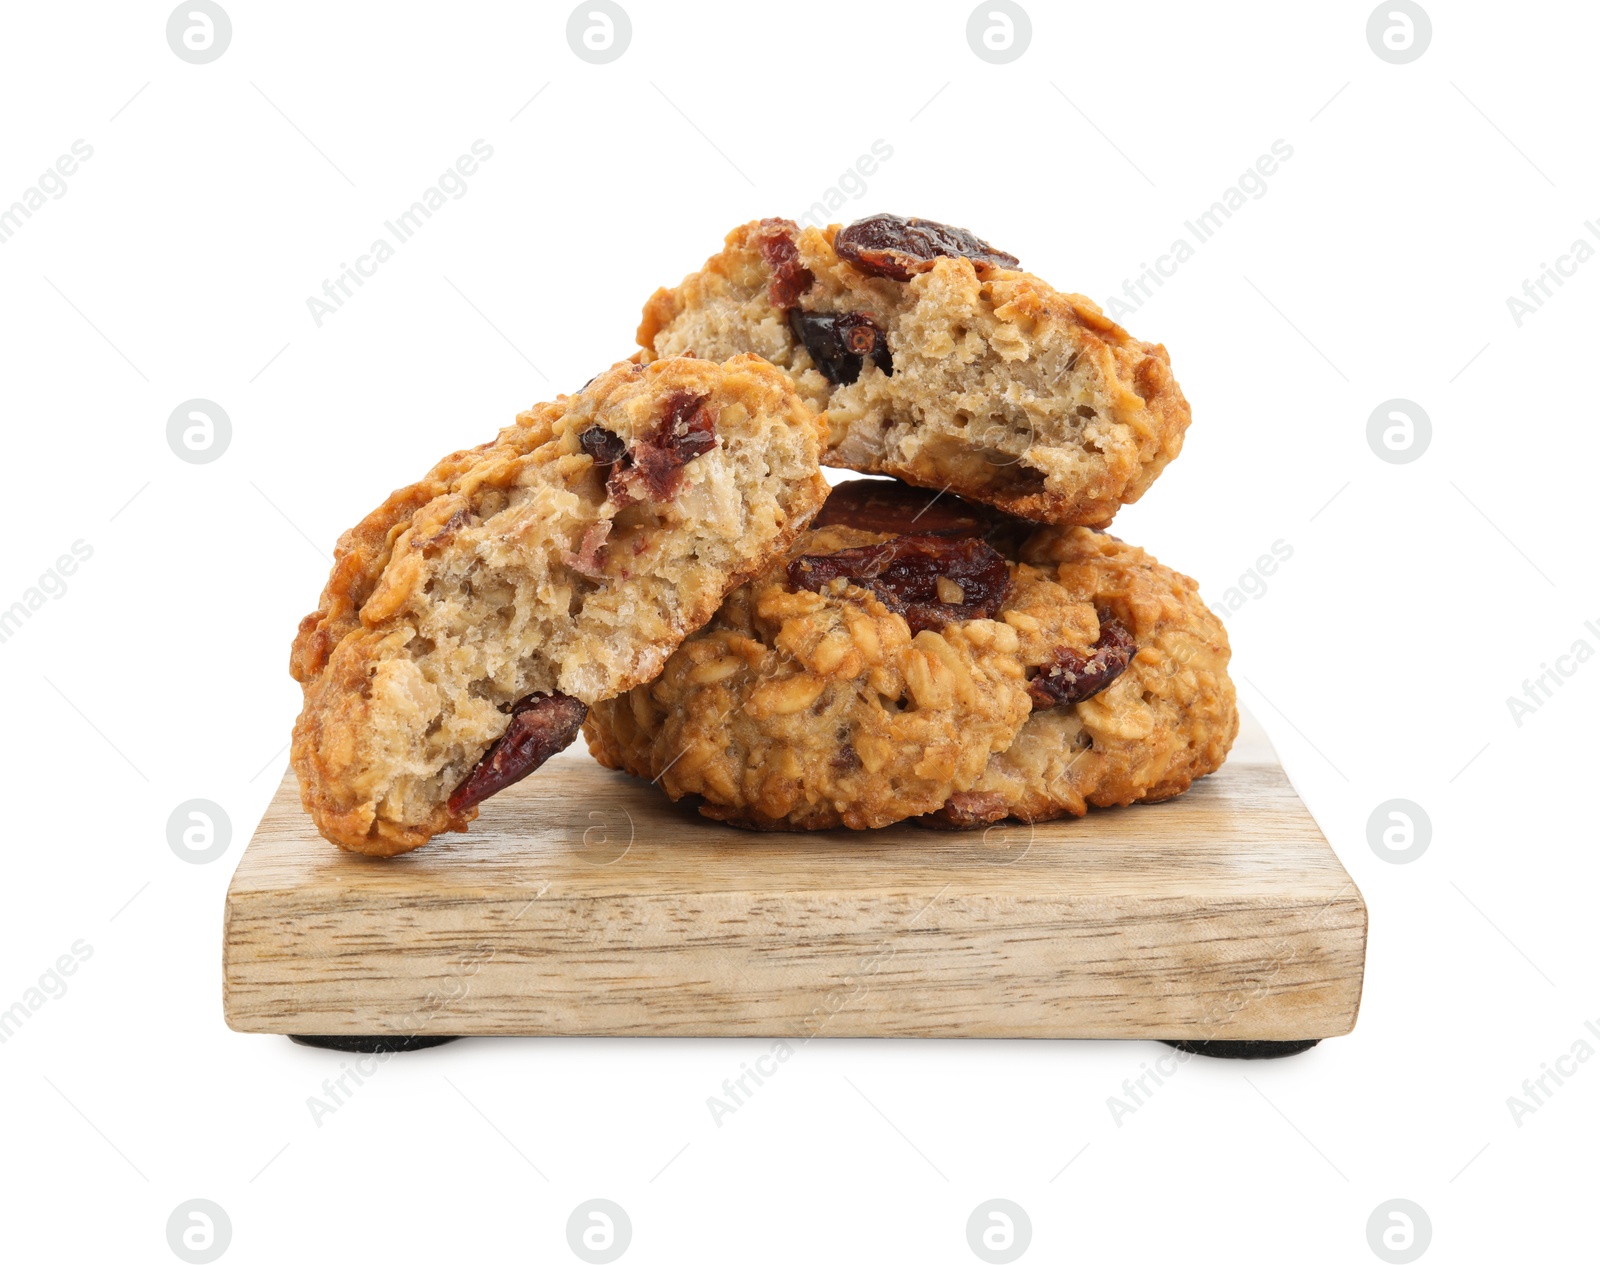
<point>582,902</point>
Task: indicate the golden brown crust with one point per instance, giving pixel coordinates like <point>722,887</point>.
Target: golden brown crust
<point>513,568</point>
<point>1170,718</point>
<point>1004,389</point>
<point>801,710</point>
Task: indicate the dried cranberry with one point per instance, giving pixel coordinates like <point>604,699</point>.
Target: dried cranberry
<point>895,508</point>
<point>1071,676</point>
<point>541,725</point>
<point>686,431</point>
<point>899,248</point>
<point>653,465</point>
<point>840,342</point>
<point>905,572</point>
<point>790,279</point>
<point>604,448</point>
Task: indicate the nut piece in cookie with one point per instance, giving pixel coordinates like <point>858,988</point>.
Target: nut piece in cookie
<point>472,620</point>
<point>938,360</point>
<point>882,674</point>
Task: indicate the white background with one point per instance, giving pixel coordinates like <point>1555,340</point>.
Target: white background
<point>1380,657</point>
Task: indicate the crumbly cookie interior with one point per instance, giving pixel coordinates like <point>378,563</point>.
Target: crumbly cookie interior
<point>1002,387</point>
<point>525,574</point>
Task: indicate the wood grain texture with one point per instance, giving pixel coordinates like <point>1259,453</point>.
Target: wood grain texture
<point>583,903</point>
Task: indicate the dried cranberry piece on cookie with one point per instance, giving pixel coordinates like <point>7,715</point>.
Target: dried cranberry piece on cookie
<point>840,343</point>
<point>541,725</point>
<point>929,580</point>
<point>896,247</point>
<point>895,508</point>
<point>790,278</point>
<point>1072,676</point>
<point>688,429</point>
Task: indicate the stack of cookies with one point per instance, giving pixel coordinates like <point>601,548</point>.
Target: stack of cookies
<point>658,561</point>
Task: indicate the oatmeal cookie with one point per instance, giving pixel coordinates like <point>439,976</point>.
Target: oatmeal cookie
<point>472,619</point>
<point>939,661</point>
<point>939,361</point>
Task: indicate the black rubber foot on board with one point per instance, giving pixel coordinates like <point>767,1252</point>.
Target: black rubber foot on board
<point>371,1045</point>
<point>1244,1049</point>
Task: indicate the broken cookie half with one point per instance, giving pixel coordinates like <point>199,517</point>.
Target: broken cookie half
<point>938,360</point>
<point>472,620</point>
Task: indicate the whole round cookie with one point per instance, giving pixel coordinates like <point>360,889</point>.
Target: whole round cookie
<point>472,619</point>
<point>915,656</point>
<point>939,361</point>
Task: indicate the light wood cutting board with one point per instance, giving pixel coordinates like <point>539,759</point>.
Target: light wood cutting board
<point>582,902</point>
